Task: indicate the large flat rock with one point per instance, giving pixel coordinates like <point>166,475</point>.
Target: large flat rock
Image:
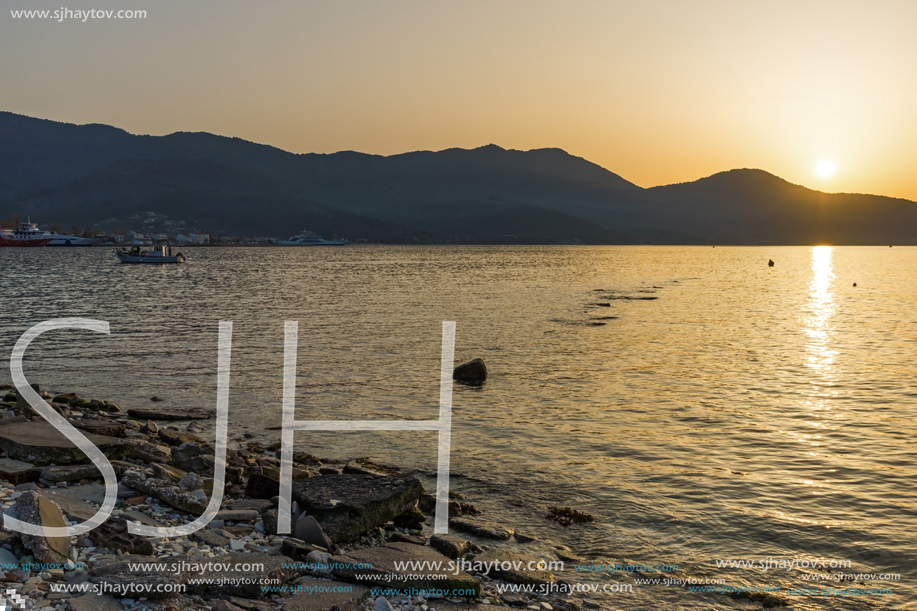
<point>383,571</point>
<point>348,505</point>
<point>323,595</point>
<point>40,444</point>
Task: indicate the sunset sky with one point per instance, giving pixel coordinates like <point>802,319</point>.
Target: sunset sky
<point>658,92</point>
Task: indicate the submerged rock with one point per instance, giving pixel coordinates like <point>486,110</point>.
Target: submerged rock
<point>472,371</point>
<point>151,413</point>
<point>504,563</point>
<point>486,530</point>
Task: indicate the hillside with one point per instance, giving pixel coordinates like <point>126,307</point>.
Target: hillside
<point>96,174</point>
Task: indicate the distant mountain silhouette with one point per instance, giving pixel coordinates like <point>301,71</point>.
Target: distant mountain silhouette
<point>58,172</point>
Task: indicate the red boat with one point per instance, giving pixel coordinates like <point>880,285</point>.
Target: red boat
<point>28,234</point>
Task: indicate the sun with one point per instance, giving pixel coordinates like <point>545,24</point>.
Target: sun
<point>824,168</point>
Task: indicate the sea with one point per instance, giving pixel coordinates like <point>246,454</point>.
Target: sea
<point>703,406</point>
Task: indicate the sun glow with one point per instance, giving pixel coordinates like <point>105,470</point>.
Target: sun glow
<point>824,168</point>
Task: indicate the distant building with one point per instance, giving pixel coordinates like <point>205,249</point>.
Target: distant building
<point>200,238</point>
<point>183,239</point>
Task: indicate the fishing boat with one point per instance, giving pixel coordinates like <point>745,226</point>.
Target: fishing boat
<point>307,238</point>
<point>28,234</point>
<point>155,256</point>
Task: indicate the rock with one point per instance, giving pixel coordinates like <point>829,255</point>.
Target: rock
<point>486,530</point>
<point>33,508</point>
<point>190,482</point>
<point>298,550</point>
<point>224,605</point>
<point>382,604</point>
<point>208,537</point>
<point>383,572</point>
<point>174,437</point>
<point>319,557</point>
<point>412,519</point>
<point>317,595</point>
<point>8,560</point>
<point>99,426</point>
<point>259,505</point>
<point>16,471</point>
<point>400,537</point>
<point>474,371</point>
<point>70,473</point>
<point>40,443</point>
<point>453,547</point>
<point>247,581</point>
<point>261,487</point>
<point>236,545</point>
<point>149,413</point>
<point>349,505</point>
<point>501,558</point>
<point>770,263</point>
<point>94,602</point>
<point>309,531</point>
<point>251,605</point>
<point>523,538</point>
<point>238,515</point>
<point>269,519</point>
<point>165,491</point>
<point>566,516</point>
<point>151,452</point>
<point>120,576</point>
<point>151,428</point>
<point>166,472</point>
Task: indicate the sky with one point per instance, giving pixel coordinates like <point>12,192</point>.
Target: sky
<point>657,92</point>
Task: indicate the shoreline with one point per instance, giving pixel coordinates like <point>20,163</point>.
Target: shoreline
<point>351,512</point>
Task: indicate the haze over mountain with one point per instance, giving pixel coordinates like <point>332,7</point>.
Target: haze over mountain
<point>86,174</point>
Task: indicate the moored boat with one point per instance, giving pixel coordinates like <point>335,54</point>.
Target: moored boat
<point>155,256</point>
<point>307,238</point>
<point>28,234</point>
<point>71,240</point>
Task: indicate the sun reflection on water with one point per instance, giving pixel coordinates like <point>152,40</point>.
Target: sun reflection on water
<point>821,306</point>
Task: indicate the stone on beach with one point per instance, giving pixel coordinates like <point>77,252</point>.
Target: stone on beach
<point>308,530</point>
<point>317,598</point>
<point>472,371</point>
<point>383,572</point>
<point>453,547</point>
<point>348,506</point>
<point>40,444</point>
<point>33,508</point>
<point>247,580</point>
<point>165,491</point>
<point>70,473</point>
<point>16,471</point>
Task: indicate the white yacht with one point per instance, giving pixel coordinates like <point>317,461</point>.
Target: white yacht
<point>70,240</point>
<point>307,238</point>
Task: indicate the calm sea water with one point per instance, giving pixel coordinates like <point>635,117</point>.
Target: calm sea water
<point>710,408</point>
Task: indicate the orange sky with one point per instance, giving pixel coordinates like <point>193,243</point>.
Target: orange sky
<point>658,92</point>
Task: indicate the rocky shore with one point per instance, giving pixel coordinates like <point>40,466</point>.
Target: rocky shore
<point>354,522</point>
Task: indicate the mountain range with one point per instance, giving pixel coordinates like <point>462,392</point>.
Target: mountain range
<point>104,176</point>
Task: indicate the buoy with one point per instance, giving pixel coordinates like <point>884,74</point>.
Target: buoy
<point>770,263</point>
<point>854,284</point>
